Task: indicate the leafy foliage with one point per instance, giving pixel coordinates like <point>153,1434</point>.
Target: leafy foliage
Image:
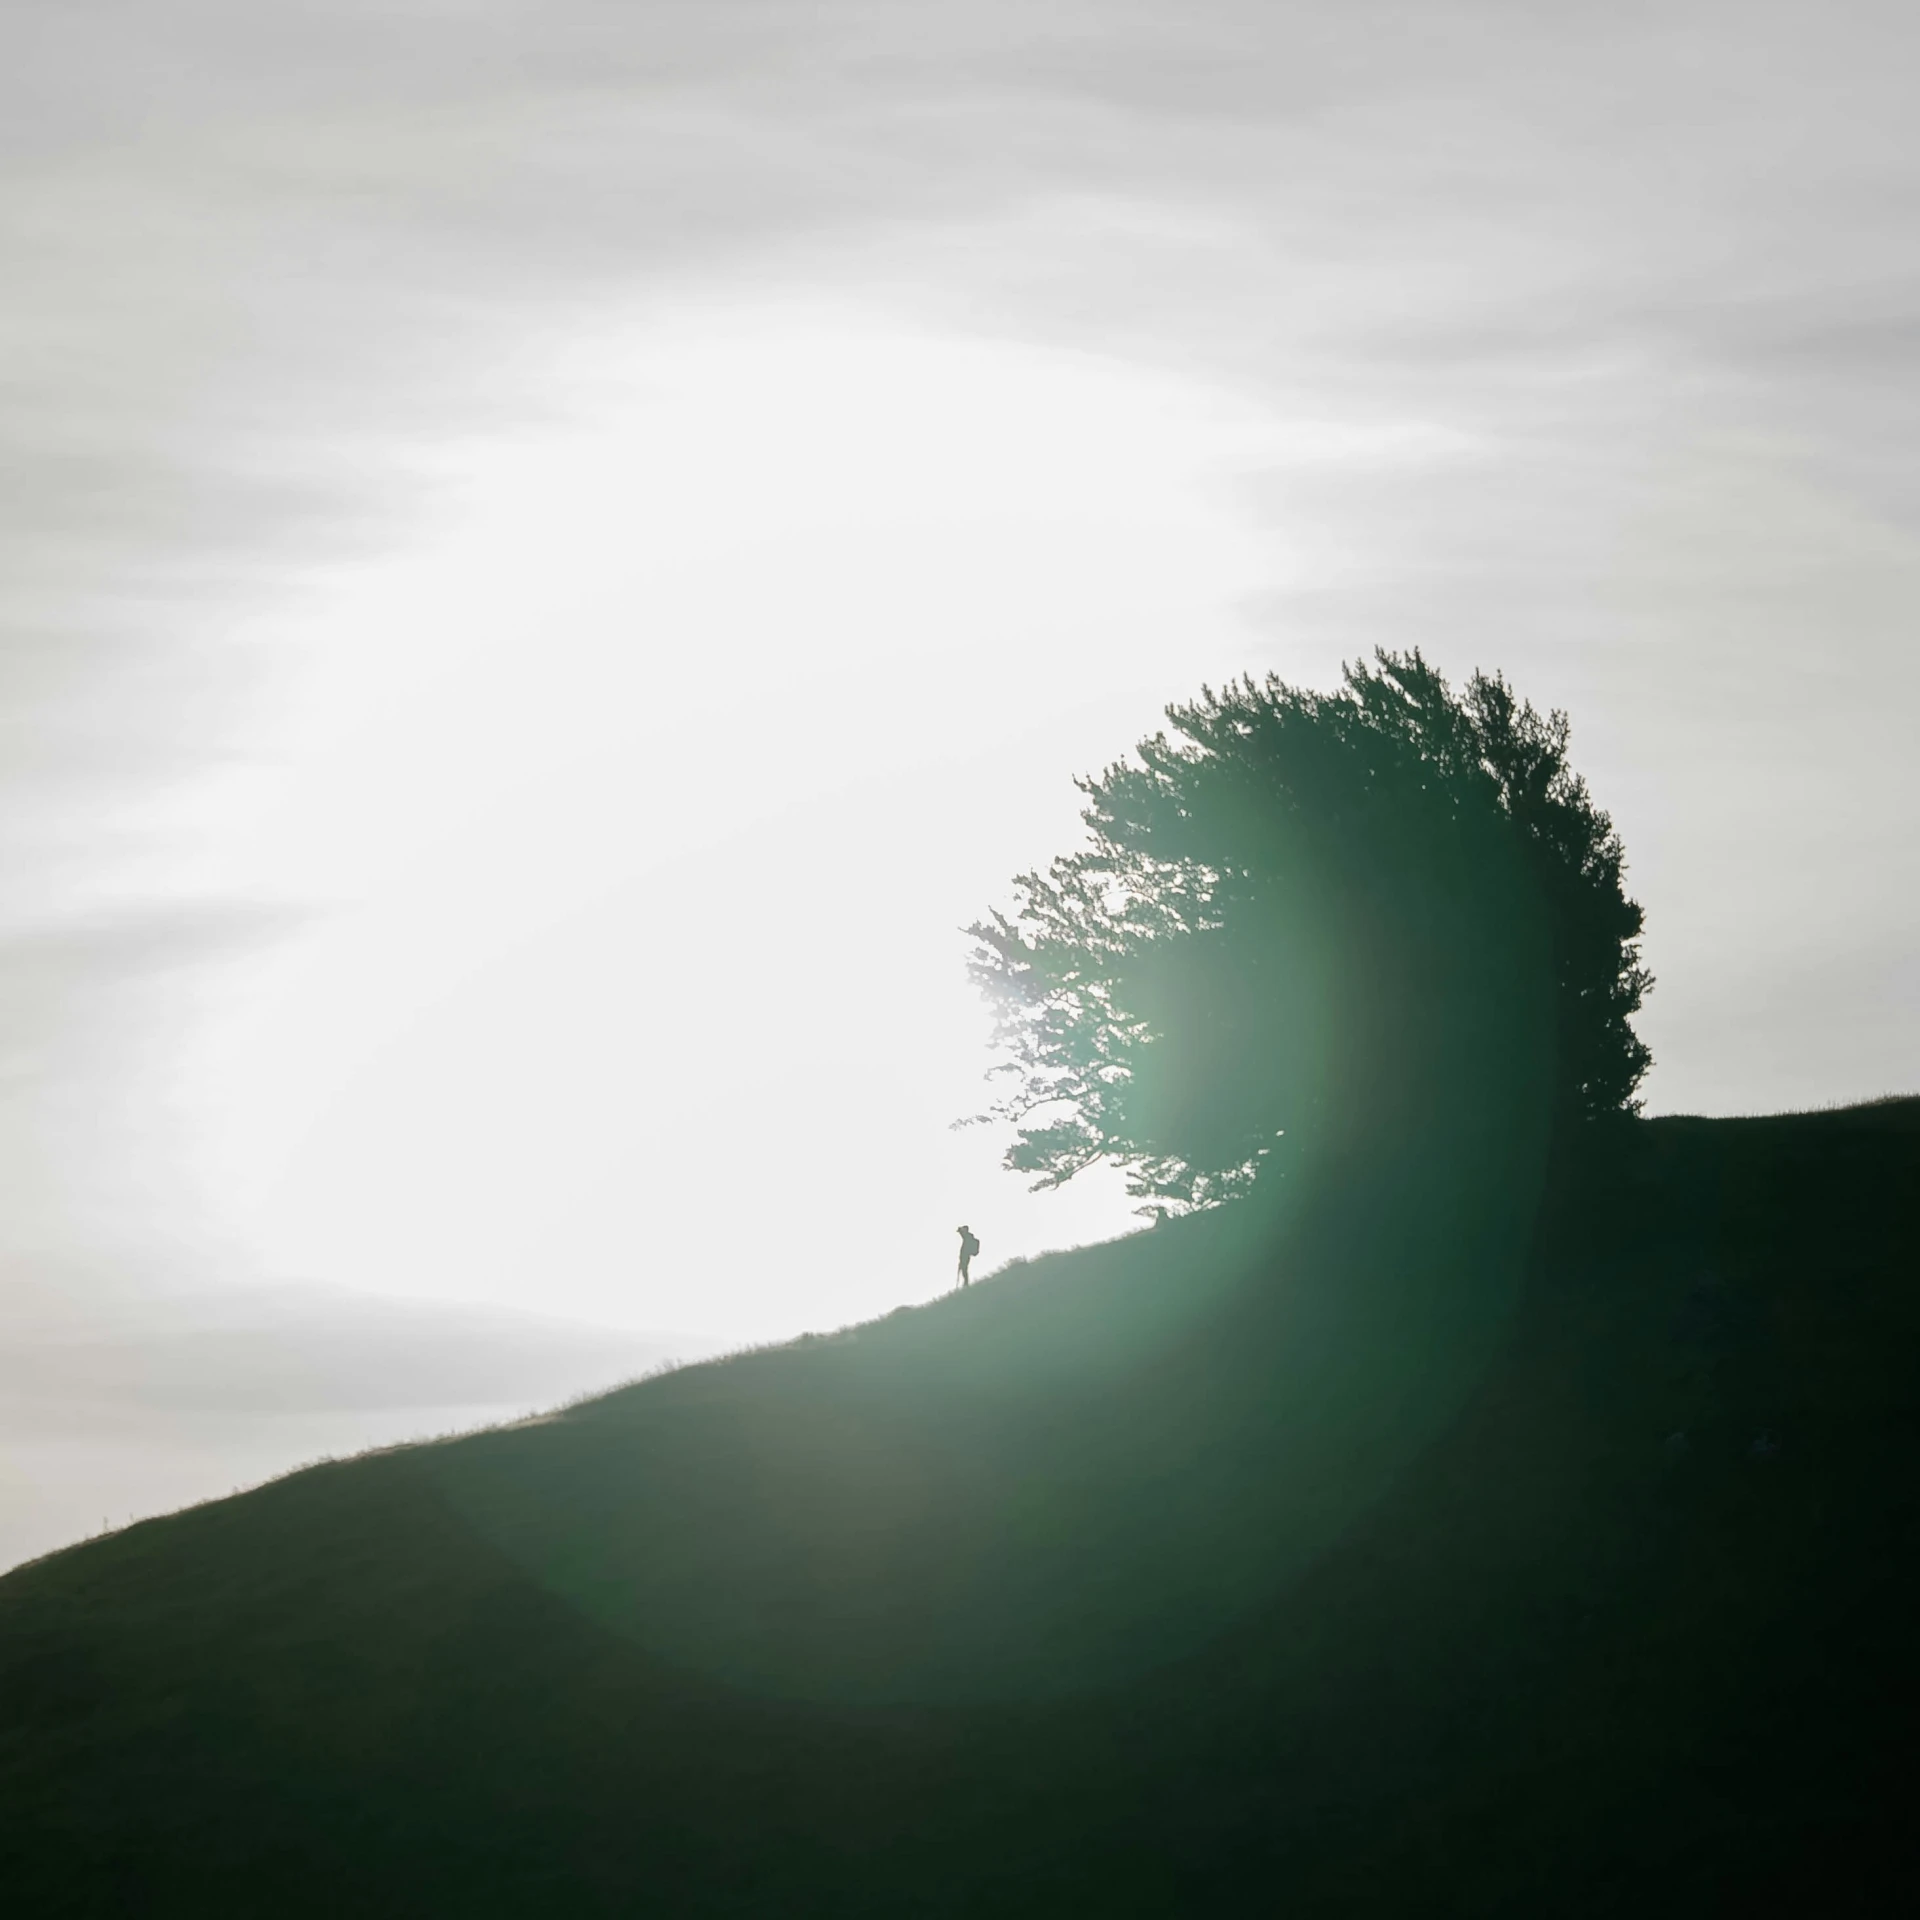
<point>1322,912</point>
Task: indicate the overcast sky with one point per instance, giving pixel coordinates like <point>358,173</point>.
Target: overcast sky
<point>554,554</point>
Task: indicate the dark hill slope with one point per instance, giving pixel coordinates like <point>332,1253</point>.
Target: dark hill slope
<point>1308,1562</point>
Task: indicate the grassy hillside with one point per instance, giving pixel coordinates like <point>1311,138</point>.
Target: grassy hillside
<point>1459,1540</point>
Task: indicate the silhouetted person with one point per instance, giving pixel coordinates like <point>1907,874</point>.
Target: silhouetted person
<point>969,1246</point>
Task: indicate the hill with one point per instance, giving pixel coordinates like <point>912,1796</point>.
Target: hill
<point>1471,1536</point>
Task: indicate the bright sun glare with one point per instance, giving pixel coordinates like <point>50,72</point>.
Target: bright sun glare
<point>638,802</point>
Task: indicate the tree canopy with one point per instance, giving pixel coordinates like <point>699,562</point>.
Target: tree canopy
<point>1302,913</point>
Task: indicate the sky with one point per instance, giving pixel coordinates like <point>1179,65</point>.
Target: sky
<point>554,556</point>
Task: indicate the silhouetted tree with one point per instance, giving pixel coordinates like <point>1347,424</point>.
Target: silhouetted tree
<point>1316,913</point>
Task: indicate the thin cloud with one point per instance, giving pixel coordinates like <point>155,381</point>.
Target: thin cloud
<point>1597,334</point>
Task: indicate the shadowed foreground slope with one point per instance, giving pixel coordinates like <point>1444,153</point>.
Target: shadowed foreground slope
<point>1313,1562</point>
